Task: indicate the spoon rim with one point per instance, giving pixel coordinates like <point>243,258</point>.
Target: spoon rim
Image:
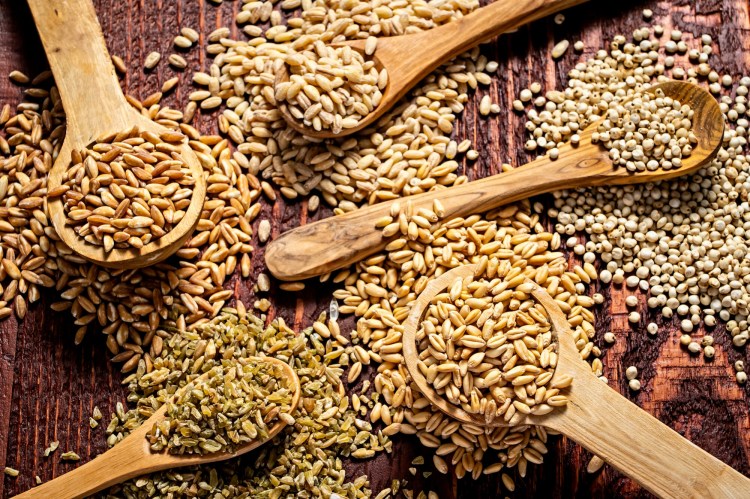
<point>411,354</point>
<point>708,124</point>
<point>568,355</point>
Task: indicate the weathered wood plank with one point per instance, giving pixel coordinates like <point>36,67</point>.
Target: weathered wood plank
<point>48,388</point>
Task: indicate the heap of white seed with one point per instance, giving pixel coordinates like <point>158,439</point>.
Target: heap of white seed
<point>647,132</point>
<point>684,241</point>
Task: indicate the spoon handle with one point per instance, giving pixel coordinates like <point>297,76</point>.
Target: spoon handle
<point>339,241</point>
<point>128,459</point>
<point>82,67</point>
<point>412,57</point>
<point>640,446</point>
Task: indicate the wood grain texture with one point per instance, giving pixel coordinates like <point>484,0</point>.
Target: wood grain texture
<point>48,387</point>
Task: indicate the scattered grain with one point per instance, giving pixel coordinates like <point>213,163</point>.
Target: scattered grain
<point>119,65</point>
<point>594,465</point>
<point>177,61</point>
<point>69,456</point>
<point>152,59</point>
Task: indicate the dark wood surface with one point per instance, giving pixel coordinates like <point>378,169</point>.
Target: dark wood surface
<point>48,387</point>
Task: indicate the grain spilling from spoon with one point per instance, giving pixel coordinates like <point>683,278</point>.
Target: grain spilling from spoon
<point>231,405</point>
<point>326,426</point>
<point>381,290</point>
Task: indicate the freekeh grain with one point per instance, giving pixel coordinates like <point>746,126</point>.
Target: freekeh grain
<point>227,407</point>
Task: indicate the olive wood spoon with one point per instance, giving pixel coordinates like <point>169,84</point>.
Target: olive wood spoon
<point>409,58</point>
<point>133,457</point>
<point>596,416</point>
<point>95,106</point>
<point>339,241</point>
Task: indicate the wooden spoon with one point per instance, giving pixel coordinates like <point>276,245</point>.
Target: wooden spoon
<point>597,417</point>
<point>94,106</point>
<point>339,241</point>
<point>409,58</point>
<point>133,456</point>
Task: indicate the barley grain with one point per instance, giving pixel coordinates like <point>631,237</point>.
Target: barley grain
<point>152,59</point>
<point>183,42</point>
<point>190,34</point>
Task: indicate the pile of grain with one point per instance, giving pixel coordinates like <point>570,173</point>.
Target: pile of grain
<point>127,305</point>
<point>683,241</point>
<point>331,88</point>
<point>411,153</point>
<point>227,407</point>
<point>408,152</point>
<point>379,291</point>
<point>647,132</point>
<point>32,137</point>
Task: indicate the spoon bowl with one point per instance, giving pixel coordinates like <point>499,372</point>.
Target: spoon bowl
<point>95,106</point>
<point>128,258</point>
<point>596,416</point>
<point>339,241</point>
<point>133,456</point>
<point>282,76</point>
<point>410,58</point>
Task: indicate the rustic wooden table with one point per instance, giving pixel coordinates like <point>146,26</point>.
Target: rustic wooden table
<point>48,387</point>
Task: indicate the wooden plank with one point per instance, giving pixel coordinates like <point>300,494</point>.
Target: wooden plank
<point>12,54</point>
<point>48,387</point>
